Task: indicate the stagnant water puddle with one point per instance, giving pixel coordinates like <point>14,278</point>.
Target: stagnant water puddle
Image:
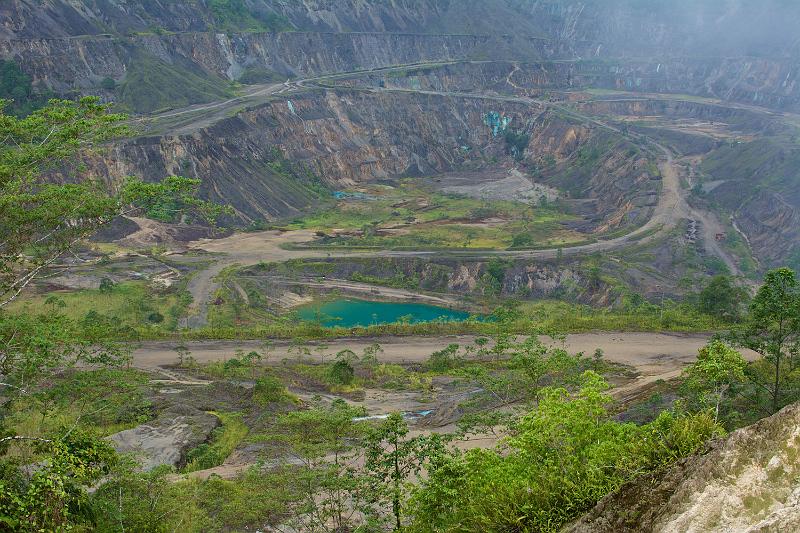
<point>353,312</point>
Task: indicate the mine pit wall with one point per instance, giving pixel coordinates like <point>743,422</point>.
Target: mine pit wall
<point>771,83</point>
<point>80,64</point>
<point>347,138</point>
<point>68,64</point>
<point>523,279</point>
<point>742,119</point>
<point>770,224</point>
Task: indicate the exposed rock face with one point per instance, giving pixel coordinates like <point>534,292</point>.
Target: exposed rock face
<point>608,28</point>
<point>64,64</point>
<point>735,50</point>
<point>771,226</point>
<point>349,137</point>
<point>745,483</point>
<point>520,279</point>
<point>166,440</point>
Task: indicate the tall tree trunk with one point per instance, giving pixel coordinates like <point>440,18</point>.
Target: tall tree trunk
<point>776,391</point>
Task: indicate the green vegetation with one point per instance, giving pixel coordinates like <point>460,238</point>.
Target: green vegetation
<point>124,307</point>
<point>718,368</point>
<point>721,298</point>
<point>411,216</point>
<point>111,400</point>
<point>16,87</point>
<point>224,440</point>
<point>549,315</point>
<point>772,329</point>
<point>39,222</point>
<point>152,85</point>
<point>254,75</point>
<point>137,501</point>
<point>234,15</point>
<point>325,464</point>
<point>565,455</point>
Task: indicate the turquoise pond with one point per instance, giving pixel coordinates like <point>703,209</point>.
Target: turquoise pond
<point>349,313</point>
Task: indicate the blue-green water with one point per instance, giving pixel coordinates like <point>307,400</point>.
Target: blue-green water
<point>350,313</point>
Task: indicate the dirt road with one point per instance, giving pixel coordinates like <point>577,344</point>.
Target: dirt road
<point>251,248</point>
<point>654,355</point>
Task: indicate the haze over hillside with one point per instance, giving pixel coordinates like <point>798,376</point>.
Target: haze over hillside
<point>418,265</point>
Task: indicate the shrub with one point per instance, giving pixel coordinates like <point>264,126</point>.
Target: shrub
<point>342,372</point>
<point>445,359</point>
<point>270,389</point>
<point>564,456</point>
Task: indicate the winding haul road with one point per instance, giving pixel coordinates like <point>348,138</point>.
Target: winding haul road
<point>252,248</point>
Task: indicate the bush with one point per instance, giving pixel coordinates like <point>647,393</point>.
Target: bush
<point>108,84</point>
<point>444,360</point>
<point>342,372</point>
<point>224,440</point>
<point>269,390</point>
<point>564,456</point>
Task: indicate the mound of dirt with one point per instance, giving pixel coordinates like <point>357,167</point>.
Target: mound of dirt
<point>166,440</point>
<point>151,232</point>
<point>119,228</point>
<point>747,482</point>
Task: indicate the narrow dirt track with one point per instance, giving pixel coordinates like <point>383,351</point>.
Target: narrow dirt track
<point>248,249</point>
<point>653,355</point>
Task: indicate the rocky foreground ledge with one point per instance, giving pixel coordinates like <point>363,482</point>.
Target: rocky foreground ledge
<point>748,482</point>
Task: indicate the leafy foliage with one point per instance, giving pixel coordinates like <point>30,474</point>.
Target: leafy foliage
<point>718,368</point>
<point>53,495</point>
<point>40,220</point>
<point>772,329</point>
<point>16,87</point>
<point>224,440</point>
<point>565,455</point>
<point>234,15</point>
<point>721,298</point>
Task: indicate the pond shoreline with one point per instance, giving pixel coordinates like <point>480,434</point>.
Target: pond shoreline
<point>356,312</point>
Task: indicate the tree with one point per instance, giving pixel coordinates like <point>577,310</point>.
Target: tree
<point>717,369</point>
<point>335,493</point>
<point>342,371</point>
<point>40,221</point>
<point>566,454</point>
<point>54,494</point>
<point>721,298</point>
<point>772,329</point>
<point>106,286</point>
<point>391,458</point>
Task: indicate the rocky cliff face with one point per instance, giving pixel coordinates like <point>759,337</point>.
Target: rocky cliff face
<point>733,50</point>
<point>265,161</point>
<point>745,483</point>
<point>64,64</point>
<point>611,28</point>
<point>532,280</point>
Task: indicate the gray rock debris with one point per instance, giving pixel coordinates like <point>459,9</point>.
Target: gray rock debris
<point>167,439</point>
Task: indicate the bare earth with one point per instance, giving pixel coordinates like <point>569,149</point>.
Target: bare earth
<point>654,355</point>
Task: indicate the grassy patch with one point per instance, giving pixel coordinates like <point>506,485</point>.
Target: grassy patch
<point>413,216</point>
<point>224,440</point>
<point>151,85</point>
<point>131,304</point>
<point>105,401</point>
